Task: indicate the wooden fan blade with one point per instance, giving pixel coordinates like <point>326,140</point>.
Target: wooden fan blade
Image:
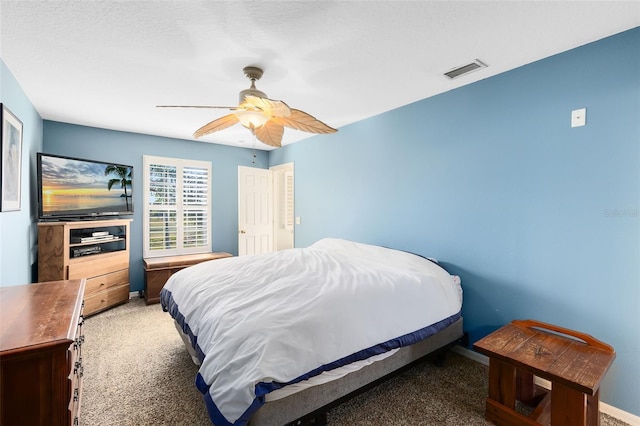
<point>300,120</point>
<point>216,125</point>
<point>197,106</point>
<point>270,133</point>
<point>270,106</point>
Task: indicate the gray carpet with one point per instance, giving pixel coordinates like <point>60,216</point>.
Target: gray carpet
<point>137,372</point>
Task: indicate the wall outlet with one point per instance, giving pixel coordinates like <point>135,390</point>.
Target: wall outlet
<point>578,117</point>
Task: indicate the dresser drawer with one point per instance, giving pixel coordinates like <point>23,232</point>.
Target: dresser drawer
<point>74,403</point>
<point>75,382</point>
<point>106,281</point>
<point>105,299</point>
<point>76,372</point>
<point>89,266</point>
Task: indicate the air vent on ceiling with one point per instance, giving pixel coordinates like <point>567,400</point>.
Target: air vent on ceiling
<point>465,69</point>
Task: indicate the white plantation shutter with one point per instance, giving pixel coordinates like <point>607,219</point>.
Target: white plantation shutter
<point>195,201</point>
<point>287,209</point>
<point>162,210</point>
<point>177,206</point>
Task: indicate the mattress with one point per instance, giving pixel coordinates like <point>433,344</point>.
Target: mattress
<point>263,323</point>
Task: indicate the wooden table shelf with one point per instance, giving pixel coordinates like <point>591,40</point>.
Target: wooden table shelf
<point>575,364</point>
<point>157,270</point>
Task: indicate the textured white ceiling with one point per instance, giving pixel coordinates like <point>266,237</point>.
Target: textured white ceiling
<point>109,63</point>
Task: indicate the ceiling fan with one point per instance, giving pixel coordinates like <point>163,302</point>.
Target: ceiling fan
<point>265,118</point>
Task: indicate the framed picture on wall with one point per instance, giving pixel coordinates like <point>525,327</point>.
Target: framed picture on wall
<point>11,165</point>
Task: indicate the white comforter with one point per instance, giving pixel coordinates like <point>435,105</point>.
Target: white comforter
<point>275,317</point>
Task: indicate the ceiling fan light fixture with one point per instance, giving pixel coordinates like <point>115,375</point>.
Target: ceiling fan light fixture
<point>251,119</point>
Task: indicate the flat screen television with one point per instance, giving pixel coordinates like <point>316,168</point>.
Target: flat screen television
<point>75,188</point>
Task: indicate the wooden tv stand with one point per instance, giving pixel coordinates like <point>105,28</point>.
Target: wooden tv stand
<point>69,250</point>
<point>523,349</point>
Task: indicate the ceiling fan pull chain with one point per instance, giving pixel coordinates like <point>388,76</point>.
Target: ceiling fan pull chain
<point>253,159</point>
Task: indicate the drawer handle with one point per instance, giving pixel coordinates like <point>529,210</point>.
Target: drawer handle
<point>76,422</point>
<point>78,342</point>
<point>78,371</point>
<point>81,320</point>
<point>76,394</point>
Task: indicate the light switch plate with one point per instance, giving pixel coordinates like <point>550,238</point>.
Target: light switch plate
<point>578,117</point>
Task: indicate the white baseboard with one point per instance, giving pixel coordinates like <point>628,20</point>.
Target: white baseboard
<point>473,355</point>
<point>607,409</point>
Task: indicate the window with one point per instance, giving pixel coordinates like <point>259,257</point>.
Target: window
<point>177,206</point>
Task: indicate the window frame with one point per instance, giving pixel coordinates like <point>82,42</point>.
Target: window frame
<point>179,207</point>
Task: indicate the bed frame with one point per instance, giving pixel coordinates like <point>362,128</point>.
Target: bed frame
<point>309,406</point>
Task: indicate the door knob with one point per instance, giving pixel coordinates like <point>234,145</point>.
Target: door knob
<point>242,231</point>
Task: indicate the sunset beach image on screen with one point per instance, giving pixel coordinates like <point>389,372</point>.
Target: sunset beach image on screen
<point>76,187</point>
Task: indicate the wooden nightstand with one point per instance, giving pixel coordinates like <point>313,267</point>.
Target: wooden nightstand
<point>523,349</point>
<point>157,270</point>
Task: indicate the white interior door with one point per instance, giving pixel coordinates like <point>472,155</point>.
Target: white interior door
<point>255,211</point>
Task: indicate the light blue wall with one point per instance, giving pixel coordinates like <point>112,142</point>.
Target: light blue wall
<point>539,219</point>
<point>128,148</point>
<point>18,232</point>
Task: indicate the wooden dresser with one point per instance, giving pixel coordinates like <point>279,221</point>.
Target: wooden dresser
<point>97,250</point>
<point>41,353</point>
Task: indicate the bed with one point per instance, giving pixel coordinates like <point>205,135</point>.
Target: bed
<point>280,335</point>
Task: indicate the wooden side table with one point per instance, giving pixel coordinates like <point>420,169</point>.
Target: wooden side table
<point>157,270</point>
<point>574,365</point>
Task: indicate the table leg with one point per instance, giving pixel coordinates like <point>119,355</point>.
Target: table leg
<point>568,406</point>
<point>593,409</point>
<point>502,383</point>
<point>526,388</point>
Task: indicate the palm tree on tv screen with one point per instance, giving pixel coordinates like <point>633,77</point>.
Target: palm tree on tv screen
<point>124,179</point>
